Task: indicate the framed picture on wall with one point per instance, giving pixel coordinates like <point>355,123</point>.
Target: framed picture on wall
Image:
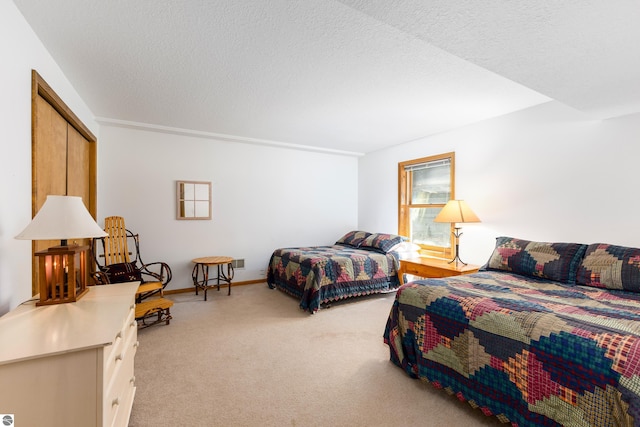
<point>193,200</point>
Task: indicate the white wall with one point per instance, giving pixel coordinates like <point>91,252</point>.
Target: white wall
<point>546,173</point>
<point>20,52</point>
<point>263,197</point>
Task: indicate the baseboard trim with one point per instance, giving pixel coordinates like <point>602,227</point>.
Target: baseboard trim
<point>192,289</point>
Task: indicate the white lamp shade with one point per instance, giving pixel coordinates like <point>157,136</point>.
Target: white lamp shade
<point>456,211</point>
<point>61,218</point>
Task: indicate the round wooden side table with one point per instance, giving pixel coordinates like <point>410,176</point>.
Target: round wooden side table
<point>200,273</point>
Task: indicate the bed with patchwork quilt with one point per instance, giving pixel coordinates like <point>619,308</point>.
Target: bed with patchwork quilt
<point>545,334</point>
<point>359,263</point>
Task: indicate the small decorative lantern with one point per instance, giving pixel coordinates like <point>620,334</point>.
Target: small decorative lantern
<point>63,274</point>
<point>63,269</point>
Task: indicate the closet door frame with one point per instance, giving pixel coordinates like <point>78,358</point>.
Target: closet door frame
<point>40,91</point>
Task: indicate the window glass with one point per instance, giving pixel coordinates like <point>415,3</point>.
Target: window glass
<point>425,186</point>
<point>431,185</point>
<point>426,232</point>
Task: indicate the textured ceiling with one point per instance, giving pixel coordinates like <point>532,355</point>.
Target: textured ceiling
<point>584,53</point>
<point>350,75</point>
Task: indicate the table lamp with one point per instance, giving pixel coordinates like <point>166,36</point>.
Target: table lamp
<point>456,211</point>
<point>62,269</point>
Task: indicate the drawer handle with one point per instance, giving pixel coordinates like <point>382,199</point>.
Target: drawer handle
<point>134,323</point>
<point>133,380</point>
<point>119,357</point>
<point>137,344</point>
<point>115,402</point>
<point>119,335</point>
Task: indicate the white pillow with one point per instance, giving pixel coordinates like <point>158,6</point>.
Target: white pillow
<point>409,255</point>
<point>406,250</point>
<point>405,247</point>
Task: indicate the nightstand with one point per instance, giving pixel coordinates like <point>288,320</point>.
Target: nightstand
<point>433,267</point>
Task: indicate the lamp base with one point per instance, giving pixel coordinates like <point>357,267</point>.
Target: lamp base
<point>456,258</point>
<point>62,300</point>
<point>62,274</point>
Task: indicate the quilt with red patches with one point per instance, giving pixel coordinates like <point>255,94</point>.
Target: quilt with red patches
<point>530,351</point>
<point>321,274</point>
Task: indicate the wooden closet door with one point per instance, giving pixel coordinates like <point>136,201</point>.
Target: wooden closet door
<point>49,153</point>
<point>49,158</point>
<point>79,170</point>
<point>78,165</point>
<point>64,158</point>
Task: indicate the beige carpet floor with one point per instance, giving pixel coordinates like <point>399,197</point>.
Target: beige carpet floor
<point>255,359</point>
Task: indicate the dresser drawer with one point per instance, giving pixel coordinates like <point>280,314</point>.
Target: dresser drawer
<point>425,271</point>
<point>436,268</point>
<point>122,410</point>
<point>118,397</point>
<point>115,352</point>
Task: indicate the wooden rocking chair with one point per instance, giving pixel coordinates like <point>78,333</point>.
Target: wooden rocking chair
<point>117,263</point>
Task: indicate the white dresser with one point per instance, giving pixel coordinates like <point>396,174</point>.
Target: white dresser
<point>70,364</point>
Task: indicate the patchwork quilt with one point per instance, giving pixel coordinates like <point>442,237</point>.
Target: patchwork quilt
<point>321,274</point>
<point>529,350</point>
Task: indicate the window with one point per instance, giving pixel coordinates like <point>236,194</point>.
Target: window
<point>425,186</point>
<point>193,200</point>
